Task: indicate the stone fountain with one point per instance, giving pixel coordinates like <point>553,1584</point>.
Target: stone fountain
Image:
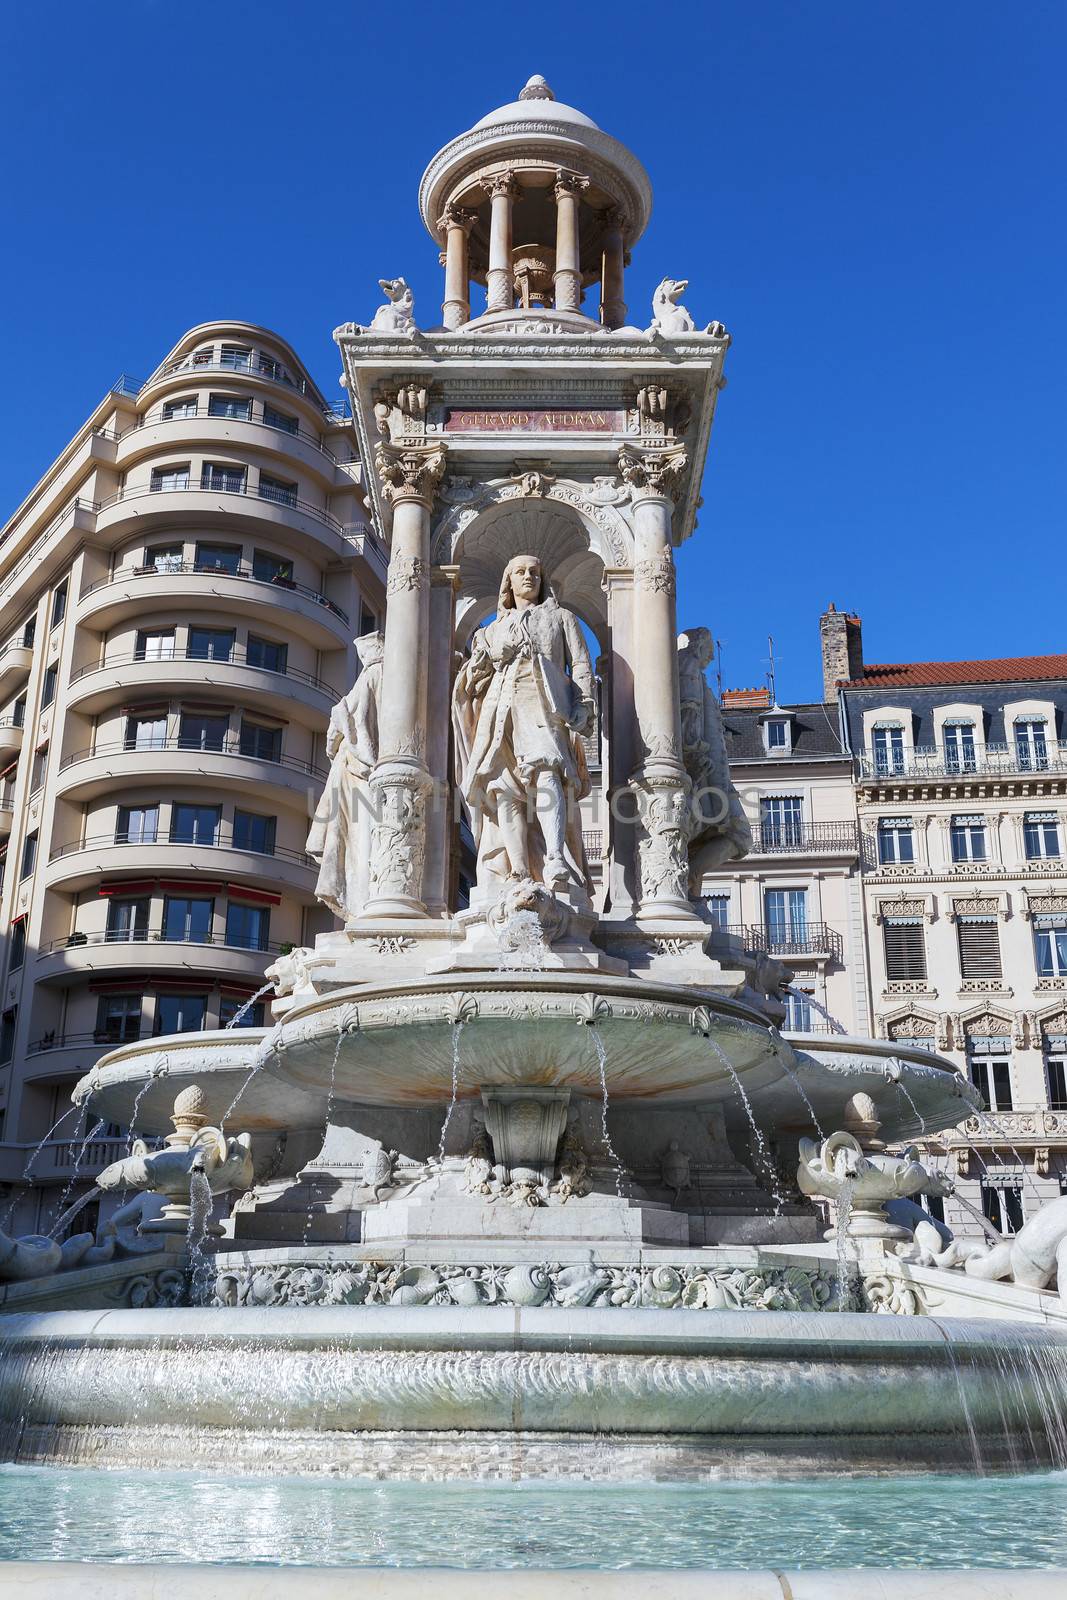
<point>524,1155</point>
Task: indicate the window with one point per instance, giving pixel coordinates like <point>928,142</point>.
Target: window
<point>154,646</point>
<point>187,921</point>
<point>1031,749</point>
<point>266,653</point>
<point>118,1017</point>
<point>230,1006</point>
<point>137,825</point>
<point>210,644</point>
<point>1002,1203</point>
<point>7,1034</point>
<point>718,910</point>
<point>218,558</point>
<point>265,743</point>
<point>990,1069</point>
<point>127,920</point>
<point>776,736</point>
<point>787,916</point>
<point>247,927</point>
<point>166,478</point>
<point>781,821</point>
<point>237,357</point>
<point>29,855</point>
<point>201,731</point>
<point>1050,941</point>
<point>222,475</point>
<point>229,405</point>
<point>1056,1073</point>
<point>889,749</point>
<point>147,731</point>
<point>40,762</point>
<point>180,1013</point>
<point>253,832</point>
<point>165,557</point>
<point>968,838</point>
<point>278,419</point>
<point>1041,835</point>
<point>48,690</point>
<point>18,945</point>
<point>896,841</point>
<point>979,943</point>
<point>191,824</point>
<point>29,633</point>
<point>18,712</point>
<point>368,622</point>
<point>271,569</point>
<point>273,369</point>
<point>174,410</point>
<point>274,489</point>
<point>905,950</point>
<point>797,1012</point>
<point>959,746</point>
<point>59,605</point>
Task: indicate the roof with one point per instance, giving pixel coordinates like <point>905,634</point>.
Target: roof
<point>739,698</point>
<point>934,674</point>
<point>815,733</point>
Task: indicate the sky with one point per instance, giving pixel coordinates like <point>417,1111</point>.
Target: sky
<point>868,193</point>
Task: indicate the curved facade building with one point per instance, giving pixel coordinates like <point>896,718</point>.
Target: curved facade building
<point>178,601</point>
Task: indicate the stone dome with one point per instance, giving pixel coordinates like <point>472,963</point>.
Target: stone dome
<point>537,89</point>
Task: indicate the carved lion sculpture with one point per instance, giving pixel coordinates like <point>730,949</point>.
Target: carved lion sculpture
<point>397,314</point>
<point>667,315</point>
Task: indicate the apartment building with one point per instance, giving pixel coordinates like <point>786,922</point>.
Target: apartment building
<point>961,793</point>
<point>798,895</point>
<point>178,599</point>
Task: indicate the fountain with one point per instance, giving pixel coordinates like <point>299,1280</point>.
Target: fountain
<point>521,1180</point>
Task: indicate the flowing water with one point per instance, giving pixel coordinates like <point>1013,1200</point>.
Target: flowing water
<point>845,1267</point>
<point>330,1097</point>
<point>90,1134</point>
<point>457,1029</point>
<point>196,1233</point>
<point>28,1168</point>
<point>602,1062</point>
<point>802,1092</point>
<point>761,1151</point>
<point>816,1005</point>
<point>239,1016</point>
<point>71,1514</point>
<point>71,1212</point>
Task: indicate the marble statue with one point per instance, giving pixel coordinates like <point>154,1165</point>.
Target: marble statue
<point>1035,1258</point>
<point>667,315</point>
<point>519,720</point>
<point>721,831</point>
<point>397,314</point>
<point>340,832</point>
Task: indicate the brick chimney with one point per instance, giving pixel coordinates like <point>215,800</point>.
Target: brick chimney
<point>841,637</point>
<point>745,699</point>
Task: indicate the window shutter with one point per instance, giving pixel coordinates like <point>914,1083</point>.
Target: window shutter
<point>905,953</point>
<point>979,948</point>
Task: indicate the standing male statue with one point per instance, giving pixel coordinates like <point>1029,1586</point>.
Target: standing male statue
<point>720,831</point>
<point>519,720</point>
<point>340,832</point>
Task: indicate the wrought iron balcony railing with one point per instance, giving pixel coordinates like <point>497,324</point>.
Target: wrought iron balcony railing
<point>805,838</point>
<point>988,760</point>
<point>814,939</point>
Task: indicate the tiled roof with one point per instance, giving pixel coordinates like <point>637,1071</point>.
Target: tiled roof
<point>814,733</point>
<point>933,674</point>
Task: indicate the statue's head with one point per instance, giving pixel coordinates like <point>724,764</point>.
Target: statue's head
<point>524,580</point>
<point>702,643</point>
<point>672,289</point>
<point>370,647</point>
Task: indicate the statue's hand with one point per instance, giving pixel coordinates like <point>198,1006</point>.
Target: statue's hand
<point>582,718</point>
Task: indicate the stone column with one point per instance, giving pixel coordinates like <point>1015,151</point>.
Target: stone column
<point>567,278</point>
<point>457,304</point>
<point>501,190</point>
<point>443,584</point>
<point>612,304</point>
<point>623,889</point>
<point>401,780</point>
<point>661,784</point>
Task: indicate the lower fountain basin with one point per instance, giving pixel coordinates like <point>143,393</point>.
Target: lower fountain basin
<point>390,1392</point>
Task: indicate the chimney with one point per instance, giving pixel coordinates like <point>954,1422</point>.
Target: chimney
<point>841,637</point>
<point>745,699</point>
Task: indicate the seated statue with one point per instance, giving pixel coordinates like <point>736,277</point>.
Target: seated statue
<point>340,832</point>
<point>519,720</point>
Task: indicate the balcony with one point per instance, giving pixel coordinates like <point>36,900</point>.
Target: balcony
<point>202,414</point>
<point>65,960</point>
<point>7,816</point>
<point>808,838</point>
<point>81,863</point>
<point>95,686</point>
<point>989,761</point>
<point>238,492</point>
<point>1024,1127</point>
<point>817,940</point>
<point>57,1159</point>
<point>96,770</point>
<point>11,734</point>
<point>15,662</point>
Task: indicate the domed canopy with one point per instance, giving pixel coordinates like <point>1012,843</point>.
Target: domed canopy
<point>536,89</point>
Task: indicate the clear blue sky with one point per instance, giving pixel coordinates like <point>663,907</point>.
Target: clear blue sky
<point>869,193</point>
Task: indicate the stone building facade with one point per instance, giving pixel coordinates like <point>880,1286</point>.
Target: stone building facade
<point>179,596</point>
<point>961,798</point>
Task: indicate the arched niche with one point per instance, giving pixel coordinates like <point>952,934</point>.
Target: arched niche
<point>554,532</point>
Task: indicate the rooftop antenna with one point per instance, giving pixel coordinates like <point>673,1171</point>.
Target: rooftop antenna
<point>718,667</point>
<point>771,684</point>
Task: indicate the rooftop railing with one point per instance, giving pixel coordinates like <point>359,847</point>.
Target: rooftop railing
<point>988,760</point>
<point>237,657</point>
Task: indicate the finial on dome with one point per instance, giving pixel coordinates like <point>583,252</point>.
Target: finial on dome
<point>536,89</point>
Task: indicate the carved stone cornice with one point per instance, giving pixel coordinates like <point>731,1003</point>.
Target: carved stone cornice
<point>653,472</point>
<point>410,474</point>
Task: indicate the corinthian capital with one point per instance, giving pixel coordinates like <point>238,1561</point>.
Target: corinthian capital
<point>569,183</point>
<point>653,471</point>
<point>457,217</point>
<point>410,474</point>
<point>500,183</point>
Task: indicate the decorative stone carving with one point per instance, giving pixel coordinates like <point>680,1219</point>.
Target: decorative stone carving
<point>413,474</point>
<point>401,411</point>
<point>340,831</point>
<point>393,944</point>
<point>290,973</point>
<point>720,831</point>
<point>379,1170</point>
<point>663,839</point>
<point>398,834</point>
<point>526,909</point>
<point>660,412</point>
<point>405,573</point>
<point>397,314</point>
<point>656,575</point>
<point>574,1180</point>
<point>675,1169</point>
<point>838,1170</point>
<point>653,471</point>
<point>669,316</point>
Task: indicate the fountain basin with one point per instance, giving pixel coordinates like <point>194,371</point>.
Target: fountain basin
<point>379,1390</point>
